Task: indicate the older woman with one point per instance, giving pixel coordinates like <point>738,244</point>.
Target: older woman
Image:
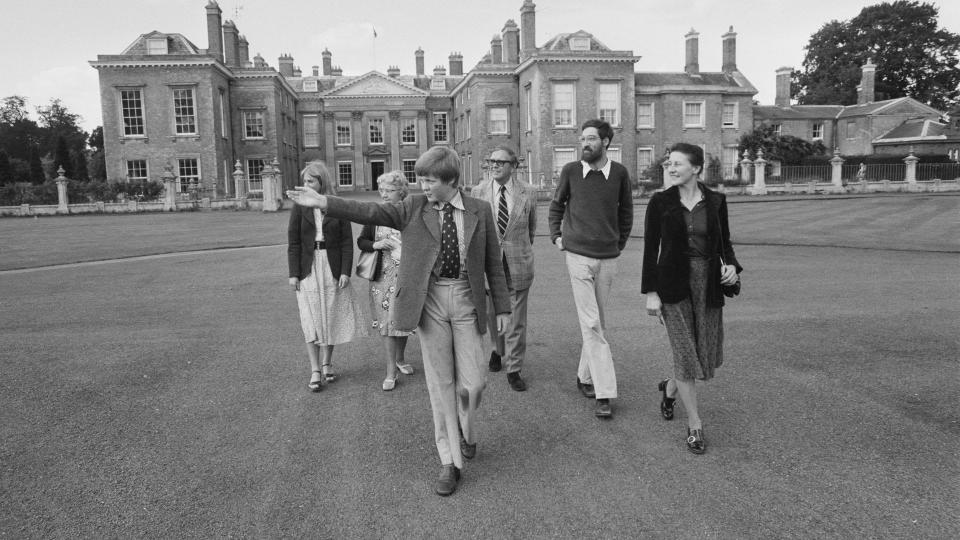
<point>687,256</point>
<point>320,261</point>
<point>393,189</point>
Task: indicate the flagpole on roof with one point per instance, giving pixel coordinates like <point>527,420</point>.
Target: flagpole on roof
<point>374,46</point>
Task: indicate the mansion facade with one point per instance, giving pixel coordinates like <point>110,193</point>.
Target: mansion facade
<point>205,113</point>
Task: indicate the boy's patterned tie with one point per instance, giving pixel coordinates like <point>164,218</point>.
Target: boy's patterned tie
<point>449,245</point>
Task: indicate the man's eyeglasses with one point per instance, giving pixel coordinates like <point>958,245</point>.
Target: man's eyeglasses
<point>590,139</point>
<point>498,162</point>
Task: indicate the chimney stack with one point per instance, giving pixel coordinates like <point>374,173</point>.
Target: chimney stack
<point>419,57</point>
<point>511,42</point>
<point>244,51</point>
<point>231,45</point>
<point>393,71</point>
<point>729,51</point>
<point>439,71</point>
<point>867,83</point>
<point>285,62</point>
<point>337,71</point>
<point>327,62</point>
<point>783,86</point>
<point>496,49</point>
<point>297,72</point>
<point>316,71</point>
<point>214,35</point>
<point>528,28</point>
<point>693,52</point>
<point>456,63</point>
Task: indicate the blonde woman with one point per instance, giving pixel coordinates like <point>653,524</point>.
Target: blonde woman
<point>393,189</point>
<point>320,261</point>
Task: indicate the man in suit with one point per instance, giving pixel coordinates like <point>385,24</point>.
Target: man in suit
<point>449,248</point>
<point>514,204</point>
<point>590,219</point>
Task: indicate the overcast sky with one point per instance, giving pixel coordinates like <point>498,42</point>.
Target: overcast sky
<point>46,45</point>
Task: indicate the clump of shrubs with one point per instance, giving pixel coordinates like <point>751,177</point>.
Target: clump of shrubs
<point>80,192</point>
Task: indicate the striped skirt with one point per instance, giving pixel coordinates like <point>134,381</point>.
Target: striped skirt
<point>695,330</point>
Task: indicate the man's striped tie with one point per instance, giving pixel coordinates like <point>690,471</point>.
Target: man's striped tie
<point>503,216</point>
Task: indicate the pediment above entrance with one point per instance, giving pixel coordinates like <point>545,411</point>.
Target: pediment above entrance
<point>374,84</point>
<point>377,151</point>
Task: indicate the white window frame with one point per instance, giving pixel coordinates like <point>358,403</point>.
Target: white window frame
<point>311,139</point>
<point>701,119</point>
<point>614,154</point>
<point>345,173</point>
<point>183,180</point>
<point>375,125</point>
<point>157,46</point>
<point>493,124</point>
<point>467,130</point>
<point>146,170</point>
<point>408,131</point>
<point>643,164</point>
<point>254,168</point>
<point>310,85</point>
<point>407,166</point>
<point>614,121</point>
<point>778,129</point>
<point>653,120</point>
<point>224,118</point>
<point>184,114</point>
<point>850,129</point>
<point>731,120</point>
<point>570,122</point>
<point>339,133</point>
<point>528,97</point>
<point>579,43</point>
<point>441,122</point>
<point>129,127</point>
<point>729,168</point>
<point>814,129</point>
<point>560,157</point>
<point>254,121</point>
<point>437,83</point>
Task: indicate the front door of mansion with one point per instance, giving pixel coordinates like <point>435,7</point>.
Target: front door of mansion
<point>376,169</point>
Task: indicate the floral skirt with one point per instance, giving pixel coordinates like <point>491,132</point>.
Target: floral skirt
<point>695,330</point>
<point>329,315</point>
<point>382,293</point>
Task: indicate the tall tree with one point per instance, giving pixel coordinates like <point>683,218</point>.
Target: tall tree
<point>57,121</point>
<point>96,139</point>
<point>62,158</point>
<point>18,133</point>
<point>787,149</point>
<point>6,171</point>
<point>36,167</point>
<point>913,55</point>
<point>80,166</point>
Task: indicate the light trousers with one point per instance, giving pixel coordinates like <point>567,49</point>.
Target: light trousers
<point>591,280</point>
<point>512,344</point>
<point>453,356</point>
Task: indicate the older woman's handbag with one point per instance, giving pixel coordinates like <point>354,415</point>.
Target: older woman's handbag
<point>730,290</point>
<point>368,265</point>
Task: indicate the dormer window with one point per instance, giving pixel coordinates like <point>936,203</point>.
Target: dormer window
<point>437,83</point>
<point>157,46</point>
<point>309,85</point>
<point>579,44</point>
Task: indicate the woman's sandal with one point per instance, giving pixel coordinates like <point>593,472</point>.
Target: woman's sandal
<point>390,383</point>
<point>695,442</point>
<point>328,373</point>
<point>406,369</point>
<point>316,385</point>
<point>666,404</point>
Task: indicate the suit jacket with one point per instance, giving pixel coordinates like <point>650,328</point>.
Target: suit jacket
<point>302,233</point>
<point>666,268</point>
<point>419,226</point>
<point>517,241</point>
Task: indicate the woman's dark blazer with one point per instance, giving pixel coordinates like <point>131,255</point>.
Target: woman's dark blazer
<point>365,240</point>
<point>302,233</point>
<point>666,267</point>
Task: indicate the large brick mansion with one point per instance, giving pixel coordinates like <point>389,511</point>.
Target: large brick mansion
<point>167,102</point>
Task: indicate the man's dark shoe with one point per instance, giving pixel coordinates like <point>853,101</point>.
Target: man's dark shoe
<point>603,409</point>
<point>586,389</point>
<point>449,478</point>
<point>495,361</point>
<point>468,450</point>
<point>516,382</point>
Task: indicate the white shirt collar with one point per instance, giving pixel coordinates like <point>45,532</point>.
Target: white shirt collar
<point>508,185</point>
<point>456,201</point>
<point>605,169</point>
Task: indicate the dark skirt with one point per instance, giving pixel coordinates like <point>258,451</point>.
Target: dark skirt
<point>695,330</point>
